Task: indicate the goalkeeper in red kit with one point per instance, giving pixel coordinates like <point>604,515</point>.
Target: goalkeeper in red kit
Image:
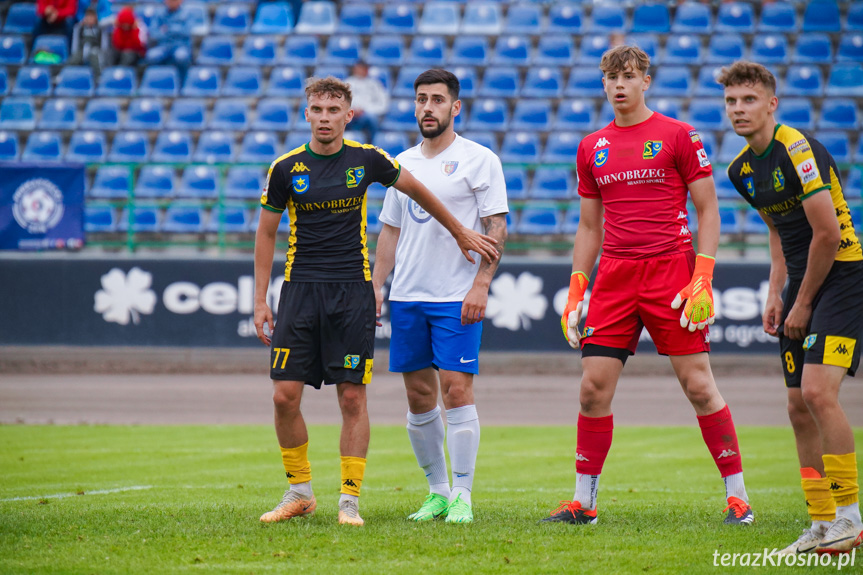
<point>633,178</point>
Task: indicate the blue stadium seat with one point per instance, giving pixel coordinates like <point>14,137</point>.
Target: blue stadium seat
<point>273,114</point>
<point>148,12</point>
<point>729,220</point>
<point>778,17</point>
<point>393,142</point>
<point>99,218</point>
<point>486,139</point>
<point>575,115</point>
<point>724,188</point>
<point>316,17</point>
<point>286,83</point>
<point>245,182</point>
<point>188,114</point>
<point>850,48</point>
<point>735,17</point>
<point>692,18</point>
<point>59,114</point>
<point>230,114</point>
<point>231,19</point>
<point>259,147</point>
<point>21,18</point>
<point>706,84</point>
<point>386,51</point>
<point>561,148</point>
<point>813,49</point>
<point>846,79</point>
<point>512,51</point>
<point>130,146</point>
<point>647,42</point>
<point>145,219</point>
<point>584,82</point>
<point>173,146</point>
<point>101,114</point>
<point>545,82</point>
<point>608,17</point>
<point>199,182</point>
<point>531,115</point>
<point>160,82</point>
<point>199,18</point>
<point>488,114</point>
<point>753,223</point>
<point>4,82</point>
<point>12,50</point>
<point>672,81</point>
<point>110,182</point>
<point>439,18</point>
<point>592,49</point>
<point>32,81</point>
<point>707,114</point>
<point>853,186</point>
<point>516,182</point>
<point>803,81</point>
<point>273,18</point>
<point>398,19</point>
<point>75,81</point>
<point>732,144</point>
<point>118,81</point>
<point>244,81</point>
<point>231,218</point>
<point>668,107</point>
<point>482,18</point>
<point>356,19</point>
<point>511,220</point>
<point>554,51</point>
<point>373,214</point>
<point>400,116</point>
<point>376,191</point>
<point>42,147</point>
<point>469,51</point>
<point>87,147</point>
<point>182,219</point>
<point>156,182</point>
<point>539,221</point>
<point>202,81</point>
<point>216,51</point>
<point>725,49</point>
<point>50,43</point>
<point>564,18</point>
<point>9,147</point>
<point>838,114</point>
<point>520,147</point>
<point>552,183</point>
<point>427,50</point>
<point>854,19</point>
<point>342,50</point>
<point>770,48</point>
<point>334,70</point>
<point>301,51</point>
<point>821,16</point>
<point>709,142</point>
<point>606,114</point>
<point>500,82</point>
<point>215,147</point>
<point>404,85</point>
<point>651,18</point>
<point>683,49</point>
<point>468,79</point>
<point>571,219</point>
<point>145,114</point>
<point>523,19</point>
<point>837,144</point>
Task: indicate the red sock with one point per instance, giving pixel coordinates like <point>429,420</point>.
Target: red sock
<point>592,443</point>
<point>719,434</point>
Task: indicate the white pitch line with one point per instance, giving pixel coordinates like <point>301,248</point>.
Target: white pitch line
<point>95,492</point>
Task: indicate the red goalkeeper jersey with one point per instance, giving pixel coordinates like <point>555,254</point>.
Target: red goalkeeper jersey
<point>641,173</point>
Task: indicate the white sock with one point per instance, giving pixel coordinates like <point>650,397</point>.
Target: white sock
<point>852,512</point>
<point>586,488</point>
<point>346,497</point>
<point>304,489</point>
<point>734,486</point>
<point>463,445</point>
<point>818,524</point>
<point>426,433</point>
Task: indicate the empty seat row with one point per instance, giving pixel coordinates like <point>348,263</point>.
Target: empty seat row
<point>177,218</point>
<point>195,181</point>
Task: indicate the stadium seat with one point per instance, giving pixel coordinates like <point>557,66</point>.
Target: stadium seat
<point>52,43</point>
<point>531,115</point>
<point>316,17</point>
<point>385,51</point>
<point>301,51</point>
<point>144,114</point>
<point>838,114</point>
<point>813,49</point>
<point>199,18</point>
<point>850,48</point>
<point>439,18</point>
<point>544,82</point>
<point>469,51</point>
<point>259,147</point>
<point>183,219</point>
<point>101,114</point>
<point>706,84</point>
<point>342,50</point>
<point>571,219</point>
<point>500,82</point>
<point>607,18</point>
<point>854,18</point>
<point>525,19</point>
<point>516,182</point>
<point>356,19</point>
<point>230,114</point>
<point>296,139</point>
<point>803,81</point>
<point>709,142</point>
<point>243,81</point>
<point>770,48</point>
<point>488,114</point>
<point>173,146</point>
<point>575,115</point>
<point>564,18</point>
<point>707,114</point>
<point>584,83</point>
<point>482,18</point>
<point>592,49</point>
<point>427,50</point>
<point>736,18</point>
<point>9,147</point>
<point>846,80</point>
<point>729,220</point>
<point>486,139</point>
<point>821,16</point>
<point>692,18</point>
<point>683,49</point>
<point>335,70</point>
<point>725,49</point>
<point>275,18</point>
<point>32,81</point>
<point>187,114</point>
<point>539,221</point>
<point>156,182</point>
<point>373,214</point>
<point>231,19</point>
<point>837,144</point>
<point>853,186</point>
<point>4,82</point>
<point>376,191</point>
<point>199,182</point>
<point>753,223</point>
<point>148,13</point>
<point>732,144</point>
<point>561,148</point>
<point>520,147</point>
<point>724,188</point>
<point>245,182</point>
<point>400,116</point>
<point>130,146</point>
<point>552,183</point>
<point>512,51</point>
<point>649,43</point>
<point>75,81</point>
<point>230,218</point>
<point>778,17</point>
<point>606,114</point>
<point>468,79</point>
<point>12,50</point>
<point>286,83</point>
<point>21,18</point>
<point>59,114</point>
<point>273,114</point>
<point>393,142</point>
<point>672,81</point>
<point>203,82</point>
<point>554,51</point>
<point>404,85</point>
<point>653,18</point>
<point>87,147</point>
<point>215,148</point>
<point>160,82</point>
<point>118,81</point>
<point>99,218</point>
<point>111,182</point>
<point>144,219</point>
<point>668,107</point>
<point>216,51</point>
<point>398,19</point>
<point>42,147</point>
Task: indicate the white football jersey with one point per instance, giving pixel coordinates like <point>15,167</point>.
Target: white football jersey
<point>468,178</point>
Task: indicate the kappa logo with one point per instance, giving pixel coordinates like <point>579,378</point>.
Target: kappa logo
<point>601,142</point>
<point>726,453</point>
<point>352,361</point>
<point>299,167</point>
<point>349,483</point>
<point>651,149</point>
<point>746,169</point>
<point>354,176</point>
<point>289,475</point>
<point>834,486</point>
<point>841,349</point>
<point>580,457</point>
<point>846,243</point>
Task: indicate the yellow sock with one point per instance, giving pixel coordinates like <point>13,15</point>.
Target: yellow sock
<point>841,471</point>
<point>353,469</point>
<point>819,500</point>
<point>296,462</point>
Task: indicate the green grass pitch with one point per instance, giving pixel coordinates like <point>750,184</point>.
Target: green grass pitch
<point>186,499</point>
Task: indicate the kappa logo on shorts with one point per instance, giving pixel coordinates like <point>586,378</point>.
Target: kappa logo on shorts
<point>809,341</point>
<point>352,361</point>
<point>839,350</point>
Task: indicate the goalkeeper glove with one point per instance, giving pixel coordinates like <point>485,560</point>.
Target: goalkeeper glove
<point>698,311</point>
<point>572,312</point>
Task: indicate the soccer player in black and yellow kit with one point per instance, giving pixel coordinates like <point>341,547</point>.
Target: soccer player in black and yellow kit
<point>325,326</point>
<point>794,183</point>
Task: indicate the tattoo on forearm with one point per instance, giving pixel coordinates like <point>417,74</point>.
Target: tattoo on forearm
<point>494,226</point>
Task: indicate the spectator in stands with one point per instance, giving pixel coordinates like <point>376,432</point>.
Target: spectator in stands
<point>171,37</point>
<point>370,100</point>
<point>55,17</point>
<point>128,41</point>
<point>102,8</point>
<point>87,42</point>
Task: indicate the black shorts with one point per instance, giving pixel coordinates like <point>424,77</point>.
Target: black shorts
<point>325,333</point>
<point>835,327</point>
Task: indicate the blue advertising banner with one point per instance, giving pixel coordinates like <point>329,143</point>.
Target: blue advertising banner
<point>210,303</point>
<point>41,207</point>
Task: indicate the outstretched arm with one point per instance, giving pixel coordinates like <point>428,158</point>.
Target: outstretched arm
<point>474,304</point>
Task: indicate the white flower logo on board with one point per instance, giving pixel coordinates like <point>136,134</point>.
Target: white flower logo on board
<point>514,302</point>
<point>124,297</point>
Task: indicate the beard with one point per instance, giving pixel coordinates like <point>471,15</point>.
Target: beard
<point>434,132</point>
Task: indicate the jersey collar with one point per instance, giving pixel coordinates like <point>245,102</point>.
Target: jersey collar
<point>323,157</point>
<point>769,146</point>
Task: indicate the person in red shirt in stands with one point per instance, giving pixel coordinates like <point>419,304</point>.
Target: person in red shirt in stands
<point>128,42</point>
<point>55,17</point>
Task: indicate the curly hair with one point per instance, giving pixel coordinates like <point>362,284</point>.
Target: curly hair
<point>330,86</point>
<point>616,59</point>
<point>748,74</point>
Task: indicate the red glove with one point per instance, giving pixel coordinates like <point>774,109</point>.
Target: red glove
<point>698,311</point>
<point>572,312</point>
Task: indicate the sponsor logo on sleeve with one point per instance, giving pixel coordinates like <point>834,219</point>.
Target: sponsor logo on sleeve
<point>702,158</point>
<point>807,170</point>
<point>798,147</point>
<point>693,135</point>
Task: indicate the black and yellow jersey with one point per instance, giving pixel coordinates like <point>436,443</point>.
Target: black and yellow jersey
<point>792,168</point>
<point>325,197</point>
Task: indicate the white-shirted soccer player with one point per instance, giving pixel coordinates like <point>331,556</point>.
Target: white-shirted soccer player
<point>437,300</point>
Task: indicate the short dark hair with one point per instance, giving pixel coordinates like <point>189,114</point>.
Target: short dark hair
<point>616,59</point>
<point>439,76</point>
<point>330,86</point>
<point>747,73</point>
